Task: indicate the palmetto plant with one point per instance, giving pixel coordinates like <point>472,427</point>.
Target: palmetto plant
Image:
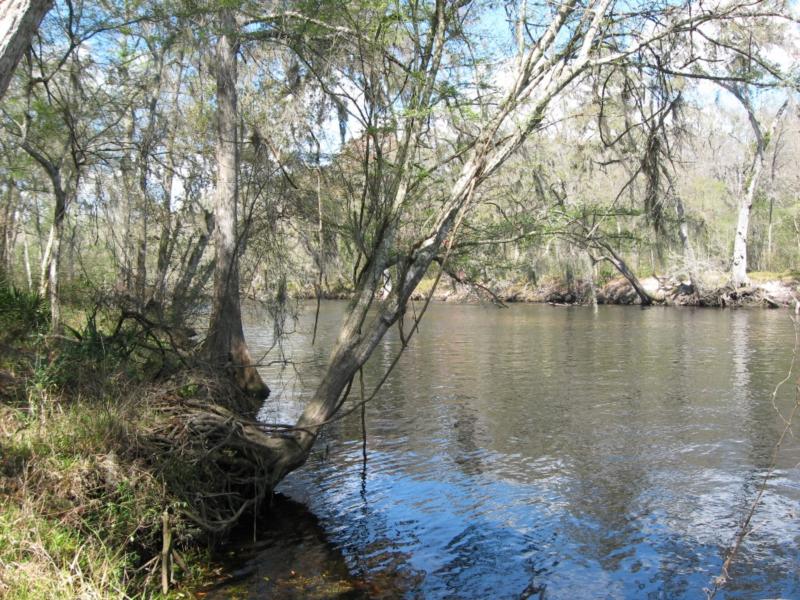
<point>22,312</point>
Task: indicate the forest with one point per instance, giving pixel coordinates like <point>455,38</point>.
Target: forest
<point>176,175</point>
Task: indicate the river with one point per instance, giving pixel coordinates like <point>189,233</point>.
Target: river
<point>549,452</point>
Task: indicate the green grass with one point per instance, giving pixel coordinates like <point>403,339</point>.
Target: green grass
<point>80,509</point>
<point>79,518</point>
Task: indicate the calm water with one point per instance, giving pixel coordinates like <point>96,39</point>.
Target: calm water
<point>555,453</point>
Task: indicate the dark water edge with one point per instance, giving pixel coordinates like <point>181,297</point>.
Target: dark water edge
<point>285,553</point>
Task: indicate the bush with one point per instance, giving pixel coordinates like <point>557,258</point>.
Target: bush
<point>21,312</point>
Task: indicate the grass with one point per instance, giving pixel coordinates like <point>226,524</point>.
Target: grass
<point>788,276</point>
<point>42,557</point>
<point>80,506</point>
<point>55,501</point>
<point>78,517</point>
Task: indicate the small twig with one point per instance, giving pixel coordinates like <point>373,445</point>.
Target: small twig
<point>744,529</point>
<point>463,279</point>
<point>165,552</point>
<point>363,417</point>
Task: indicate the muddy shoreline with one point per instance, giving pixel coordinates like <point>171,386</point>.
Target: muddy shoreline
<point>781,292</point>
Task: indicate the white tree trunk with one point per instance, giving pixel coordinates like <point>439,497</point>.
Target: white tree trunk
<point>739,264</point>
<point>164,245</point>
<point>19,20</point>
<point>44,266</point>
<point>27,258</point>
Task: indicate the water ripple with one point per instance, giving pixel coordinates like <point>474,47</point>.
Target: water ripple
<point>559,454</point>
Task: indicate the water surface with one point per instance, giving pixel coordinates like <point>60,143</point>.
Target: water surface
<point>554,453</point>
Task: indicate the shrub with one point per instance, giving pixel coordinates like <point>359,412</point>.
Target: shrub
<point>21,312</point>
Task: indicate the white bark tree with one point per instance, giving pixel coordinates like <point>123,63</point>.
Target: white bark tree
<point>752,179</point>
<point>19,20</point>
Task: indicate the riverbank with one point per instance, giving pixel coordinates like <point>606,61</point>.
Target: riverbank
<point>767,290</point>
<point>108,487</point>
<point>764,291</point>
<point>89,506</point>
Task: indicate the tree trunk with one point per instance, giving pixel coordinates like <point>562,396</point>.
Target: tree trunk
<point>9,229</point>
<point>55,257</point>
<point>19,20</point>
<point>181,294</point>
<point>164,245</point>
<point>620,265</point>
<point>44,265</point>
<point>51,259</point>
<point>27,259</point>
<point>225,344</point>
<point>143,173</point>
<point>739,264</point>
<point>688,251</point>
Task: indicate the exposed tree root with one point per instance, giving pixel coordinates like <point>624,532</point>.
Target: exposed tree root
<point>209,451</point>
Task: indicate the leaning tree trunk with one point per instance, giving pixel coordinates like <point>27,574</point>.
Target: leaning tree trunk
<point>269,452</point>
<point>19,20</point>
<point>225,344</point>
<point>620,265</point>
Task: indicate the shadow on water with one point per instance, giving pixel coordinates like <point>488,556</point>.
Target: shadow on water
<point>291,558</point>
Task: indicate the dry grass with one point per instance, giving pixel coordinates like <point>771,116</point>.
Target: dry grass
<point>80,506</point>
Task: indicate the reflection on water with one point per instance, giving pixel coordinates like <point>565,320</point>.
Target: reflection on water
<point>555,453</point>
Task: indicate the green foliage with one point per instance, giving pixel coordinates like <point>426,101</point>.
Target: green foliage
<point>22,313</point>
<point>87,358</point>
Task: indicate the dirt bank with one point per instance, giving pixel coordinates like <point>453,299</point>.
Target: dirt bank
<point>768,292</point>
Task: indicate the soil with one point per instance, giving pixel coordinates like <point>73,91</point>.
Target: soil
<point>769,293</point>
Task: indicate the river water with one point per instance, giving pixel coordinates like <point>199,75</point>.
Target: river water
<point>553,452</point>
